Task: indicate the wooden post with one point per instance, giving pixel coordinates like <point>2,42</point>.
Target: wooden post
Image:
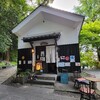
<point>56,53</point>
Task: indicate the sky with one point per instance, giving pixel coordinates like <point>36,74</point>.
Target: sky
<point>66,5</point>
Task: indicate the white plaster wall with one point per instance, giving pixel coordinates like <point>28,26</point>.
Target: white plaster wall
<point>22,44</point>
<point>50,41</point>
<point>68,34</point>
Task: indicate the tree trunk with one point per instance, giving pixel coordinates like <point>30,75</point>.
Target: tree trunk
<point>8,55</point>
<point>3,56</point>
<point>98,53</point>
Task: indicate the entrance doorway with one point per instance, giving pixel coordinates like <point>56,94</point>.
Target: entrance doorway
<point>52,69</point>
<point>46,54</point>
<point>41,56</point>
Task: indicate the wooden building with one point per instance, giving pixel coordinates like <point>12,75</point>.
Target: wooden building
<point>49,38</point>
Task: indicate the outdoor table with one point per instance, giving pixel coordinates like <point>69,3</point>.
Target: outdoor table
<point>91,79</point>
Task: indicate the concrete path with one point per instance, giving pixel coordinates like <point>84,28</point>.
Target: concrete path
<point>29,92</point>
<point>32,92</point>
<point>6,73</point>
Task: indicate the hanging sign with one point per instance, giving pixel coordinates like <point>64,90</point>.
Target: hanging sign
<point>24,62</point>
<point>67,64</point>
<point>43,43</point>
<point>42,58</point>
<point>72,58</point>
<point>19,62</point>
<point>23,57</point>
<point>77,64</point>
<point>29,62</point>
<point>42,54</point>
<point>67,58</point>
<point>61,64</point>
<point>62,57</point>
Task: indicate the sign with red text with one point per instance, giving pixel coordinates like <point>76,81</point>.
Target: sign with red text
<point>67,58</point>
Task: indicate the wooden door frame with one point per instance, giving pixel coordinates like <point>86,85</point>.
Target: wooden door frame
<point>45,54</point>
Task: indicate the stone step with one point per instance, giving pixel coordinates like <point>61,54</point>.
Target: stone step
<point>44,79</point>
<point>43,82</point>
<point>47,77</point>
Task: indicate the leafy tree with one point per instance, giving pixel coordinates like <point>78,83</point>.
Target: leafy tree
<point>39,2</point>
<point>90,33</point>
<point>90,9</point>
<point>11,13</point>
<point>88,58</point>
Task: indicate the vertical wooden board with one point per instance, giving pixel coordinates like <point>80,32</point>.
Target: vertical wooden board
<point>71,50</point>
<point>25,59</point>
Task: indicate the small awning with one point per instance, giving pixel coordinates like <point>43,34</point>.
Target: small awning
<point>42,37</point>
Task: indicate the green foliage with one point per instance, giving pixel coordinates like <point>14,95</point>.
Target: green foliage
<point>11,13</point>
<point>39,2</point>
<point>13,55</point>
<point>13,63</point>
<point>87,59</point>
<point>23,73</point>
<point>5,42</point>
<point>97,64</point>
<point>90,34</point>
<point>89,8</point>
<point>2,64</point>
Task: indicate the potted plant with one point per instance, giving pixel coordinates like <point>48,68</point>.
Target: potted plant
<point>22,76</point>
